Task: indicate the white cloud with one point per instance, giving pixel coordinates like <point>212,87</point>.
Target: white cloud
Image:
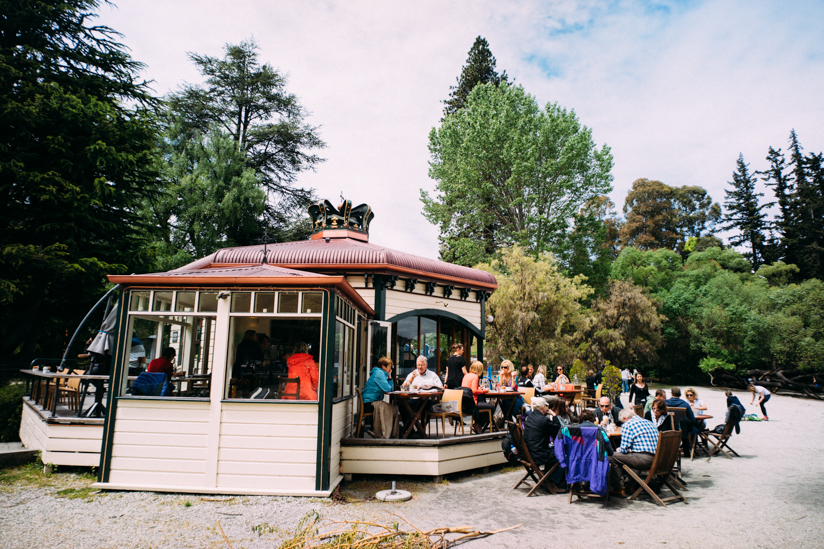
<point>677,90</point>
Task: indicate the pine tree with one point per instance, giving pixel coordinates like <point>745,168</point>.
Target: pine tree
<point>783,228</point>
<point>745,214</point>
<point>806,211</point>
<point>479,69</point>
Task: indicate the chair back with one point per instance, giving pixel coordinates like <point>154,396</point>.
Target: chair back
<point>360,404</point>
<point>598,390</point>
<point>283,386</point>
<point>677,415</point>
<point>74,381</point>
<point>666,453</point>
<point>455,395</point>
<point>517,433</point>
<point>639,410</point>
<point>528,393</point>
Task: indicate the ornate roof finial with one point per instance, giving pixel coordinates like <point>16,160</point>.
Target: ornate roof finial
<point>326,217</point>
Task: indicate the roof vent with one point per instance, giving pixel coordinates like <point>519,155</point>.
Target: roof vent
<point>341,222</point>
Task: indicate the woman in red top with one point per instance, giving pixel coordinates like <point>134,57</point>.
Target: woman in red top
<point>302,365</point>
<point>471,379</point>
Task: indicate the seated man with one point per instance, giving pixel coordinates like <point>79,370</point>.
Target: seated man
<point>639,439</point>
<point>660,394</point>
<point>688,425</point>
<point>163,364</point>
<point>540,429</point>
<point>420,379</point>
<point>605,407</point>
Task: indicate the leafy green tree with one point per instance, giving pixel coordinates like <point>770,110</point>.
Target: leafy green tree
<point>592,245</point>
<point>745,214</point>
<point>78,157</point>
<point>249,102</point>
<point>660,216</point>
<point>537,310</point>
<point>653,270</point>
<point>479,69</point>
<point>504,165</point>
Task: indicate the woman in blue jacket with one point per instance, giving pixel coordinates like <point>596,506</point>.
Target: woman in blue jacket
<point>378,384</point>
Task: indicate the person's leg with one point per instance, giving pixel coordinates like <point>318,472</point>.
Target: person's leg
<point>763,408</point>
<point>637,461</point>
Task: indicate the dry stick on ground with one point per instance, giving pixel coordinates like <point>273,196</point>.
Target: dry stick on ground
<point>371,534</point>
<point>224,535</point>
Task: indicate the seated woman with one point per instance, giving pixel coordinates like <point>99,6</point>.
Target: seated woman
<point>561,379</point>
<point>505,379</point>
<point>540,378</point>
<point>560,412</point>
<point>524,379</point>
<point>696,403</point>
<point>378,384</point>
<point>472,380</point>
<point>659,416</point>
<point>301,365</point>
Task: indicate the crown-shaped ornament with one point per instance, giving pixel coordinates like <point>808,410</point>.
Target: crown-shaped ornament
<point>326,217</point>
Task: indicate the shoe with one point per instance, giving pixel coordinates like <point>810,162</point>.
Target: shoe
<point>258,393</point>
<point>765,418</point>
<point>618,493</point>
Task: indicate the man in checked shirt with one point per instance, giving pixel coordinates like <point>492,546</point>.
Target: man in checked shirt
<point>639,439</point>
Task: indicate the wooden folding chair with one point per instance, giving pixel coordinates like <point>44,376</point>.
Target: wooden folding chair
<point>361,414</point>
<point>532,469</point>
<point>283,394</point>
<point>448,395</point>
<point>669,446</point>
<point>639,410</point>
<point>677,415</point>
<point>587,400</point>
<point>577,488</point>
<point>721,441</point>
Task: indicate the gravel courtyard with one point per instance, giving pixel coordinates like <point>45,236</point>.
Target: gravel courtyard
<point>773,496</point>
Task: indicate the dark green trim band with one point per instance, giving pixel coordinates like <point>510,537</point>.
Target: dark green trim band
<point>380,296</point>
<point>115,377</point>
<point>438,312</point>
<point>169,399</point>
<point>325,393</point>
<point>267,401</point>
<point>342,399</point>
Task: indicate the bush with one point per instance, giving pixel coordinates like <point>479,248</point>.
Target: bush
<point>11,411</point>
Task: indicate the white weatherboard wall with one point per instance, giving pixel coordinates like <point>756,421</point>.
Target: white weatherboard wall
<point>160,443</point>
<point>270,447</point>
<point>61,444</point>
<point>341,428</point>
<point>401,302</point>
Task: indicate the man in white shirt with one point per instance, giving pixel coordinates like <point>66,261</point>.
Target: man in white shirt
<point>421,378</point>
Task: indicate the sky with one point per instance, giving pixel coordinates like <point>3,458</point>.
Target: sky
<point>676,89</point>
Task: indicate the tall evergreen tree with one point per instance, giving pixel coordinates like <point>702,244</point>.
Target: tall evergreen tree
<point>808,222</point>
<point>783,229</point>
<point>479,69</point>
<point>745,214</point>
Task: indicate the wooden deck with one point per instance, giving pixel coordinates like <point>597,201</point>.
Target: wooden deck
<point>422,457</point>
<point>65,439</point>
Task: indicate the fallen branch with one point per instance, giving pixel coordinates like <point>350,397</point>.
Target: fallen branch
<point>224,535</point>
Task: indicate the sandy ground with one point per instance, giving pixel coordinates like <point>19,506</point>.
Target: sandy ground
<point>773,496</point>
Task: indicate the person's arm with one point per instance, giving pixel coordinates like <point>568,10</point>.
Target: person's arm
<point>701,405</point>
<point>384,383</point>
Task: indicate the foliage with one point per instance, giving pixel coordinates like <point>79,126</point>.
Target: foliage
<point>11,411</point>
<point>79,158</point>
<point>625,327</point>
<point>479,69</point>
<point>510,173</point>
<point>653,270</point>
<point>578,369</point>
<point>746,214</point>
<point>610,381</point>
<point>592,245</point>
<point>709,364</point>
<point>248,102</point>
<point>537,309</point>
<point>660,216</point>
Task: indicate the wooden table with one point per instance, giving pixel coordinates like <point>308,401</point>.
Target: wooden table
<point>569,396</point>
<point>402,399</point>
<point>703,417</point>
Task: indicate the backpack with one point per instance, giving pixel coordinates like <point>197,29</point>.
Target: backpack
<point>510,452</point>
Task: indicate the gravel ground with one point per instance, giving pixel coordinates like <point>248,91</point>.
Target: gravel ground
<point>772,496</point>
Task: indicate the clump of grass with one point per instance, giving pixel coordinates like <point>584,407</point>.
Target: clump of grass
<point>29,474</point>
<point>265,528</point>
<point>187,503</point>
<point>86,493</point>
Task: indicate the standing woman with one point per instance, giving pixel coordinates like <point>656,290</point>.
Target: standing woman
<point>639,390</point>
<point>540,378</point>
<point>455,367</point>
<point>763,397</point>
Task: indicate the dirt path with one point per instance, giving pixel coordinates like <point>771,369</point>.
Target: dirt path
<point>773,496</point>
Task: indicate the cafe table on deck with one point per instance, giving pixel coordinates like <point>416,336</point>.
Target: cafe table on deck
<point>402,399</point>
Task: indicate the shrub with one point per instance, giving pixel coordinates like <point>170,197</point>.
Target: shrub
<point>11,411</point>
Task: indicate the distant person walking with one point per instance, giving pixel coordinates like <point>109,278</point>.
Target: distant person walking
<point>626,376</point>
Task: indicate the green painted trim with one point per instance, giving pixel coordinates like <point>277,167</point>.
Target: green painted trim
<point>342,399</point>
<point>115,377</point>
<point>437,312</point>
<point>169,399</point>
<point>380,296</point>
<point>483,319</point>
<point>325,393</point>
<point>267,401</point>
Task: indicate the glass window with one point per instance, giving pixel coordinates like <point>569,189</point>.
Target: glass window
<point>208,302</point>
<point>288,302</point>
<point>188,372</point>
<point>429,344</point>
<point>185,302</point>
<point>264,302</point>
<point>139,300</point>
<point>312,302</point>
<point>273,358</point>
<point>162,301</point>
<point>241,302</point>
<point>407,345</point>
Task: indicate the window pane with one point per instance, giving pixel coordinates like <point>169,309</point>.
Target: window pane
<point>185,301</point>
<point>288,302</point>
<point>208,302</point>
<point>162,301</point>
<point>407,345</point>
<point>348,361</point>
<point>429,342</point>
<point>336,361</point>
<point>265,351</point>
<point>241,302</point>
<point>312,302</point>
<point>265,302</point>
<point>139,301</point>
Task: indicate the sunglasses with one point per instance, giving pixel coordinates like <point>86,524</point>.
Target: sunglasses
<point>604,405</point>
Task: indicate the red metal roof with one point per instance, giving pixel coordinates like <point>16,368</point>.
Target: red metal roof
<point>344,254</point>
